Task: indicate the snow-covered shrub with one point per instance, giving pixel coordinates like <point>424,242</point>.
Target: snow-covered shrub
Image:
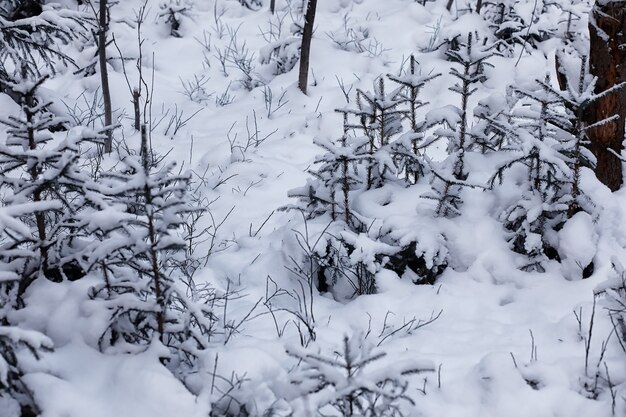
<point>511,28</point>
<point>548,136</point>
<point>452,123</point>
<point>541,208</point>
<point>282,55</point>
<point>36,167</point>
<point>472,58</point>
<point>371,159</point>
<point>355,39</point>
<point>358,380</point>
<point>30,43</point>
<point>137,255</point>
<point>411,82</point>
<point>15,397</point>
<point>173,13</point>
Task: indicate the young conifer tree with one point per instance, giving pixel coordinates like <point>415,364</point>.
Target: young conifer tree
<point>30,44</point>
<point>449,178</point>
<point>472,59</point>
<point>137,251</point>
<point>408,149</point>
<point>37,166</point>
<point>539,125</point>
<point>16,398</point>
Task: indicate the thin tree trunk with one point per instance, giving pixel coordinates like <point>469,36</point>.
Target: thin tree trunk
<point>607,29</point>
<point>305,49</point>
<point>479,5</point>
<point>272,6</point>
<point>103,27</point>
<point>136,95</point>
<point>449,5</point>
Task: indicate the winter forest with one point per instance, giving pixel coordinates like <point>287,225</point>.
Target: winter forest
<point>312,208</point>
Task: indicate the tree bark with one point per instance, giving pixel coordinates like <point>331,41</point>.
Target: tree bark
<point>607,29</point>
<point>305,49</point>
<point>103,27</point>
<point>479,6</point>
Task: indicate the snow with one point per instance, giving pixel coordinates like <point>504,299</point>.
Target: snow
<point>505,342</point>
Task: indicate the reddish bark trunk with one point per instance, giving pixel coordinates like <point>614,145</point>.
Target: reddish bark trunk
<point>607,29</point>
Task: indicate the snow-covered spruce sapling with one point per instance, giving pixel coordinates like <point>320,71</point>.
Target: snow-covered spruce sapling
<point>16,399</point>
<point>36,167</point>
<point>511,28</point>
<point>472,59</point>
<point>359,380</point>
<point>30,43</point>
<point>144,206</point>
<point>538,145</point>
<point>412,81</point>
<point>378,117</point>
<point>578,96</point>
<point>329,196</point>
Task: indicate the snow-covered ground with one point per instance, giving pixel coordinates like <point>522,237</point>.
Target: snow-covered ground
<point>502,342</point>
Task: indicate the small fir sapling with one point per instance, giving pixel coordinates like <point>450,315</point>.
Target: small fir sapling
<point>335,180</point>
<point>577,96</point>
<point>331,193</point>
<point>511,28</point>
<point>472,59</point>
<point>449,177</point>
<point>379,119</point>
<point>358,380</point>
<point>411,163</point>
<point>30,43</point>
<point>371,154</point>
<point>538,146</point>
<point>144,206</point>
<point>16,399</point>
<point>37,168</point>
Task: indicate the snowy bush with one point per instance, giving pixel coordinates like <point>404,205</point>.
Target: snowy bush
<point>16,398</point>
<point>173,13</point>
<point>35,167</point>
<point>282,55</point>
<point>358,380</point>
<point>138,252</point>
<point>29,44</point>
<point>355,39</point>
<point>374,155</point>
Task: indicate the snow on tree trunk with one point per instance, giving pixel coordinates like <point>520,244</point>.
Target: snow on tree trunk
<point>607,29</point>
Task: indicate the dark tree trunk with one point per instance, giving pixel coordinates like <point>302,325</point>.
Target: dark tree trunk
<point>104,75</point>
<point>607,29</point>
<point>449,5</point>
<point>305,49</point>
<point>272,6</point>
